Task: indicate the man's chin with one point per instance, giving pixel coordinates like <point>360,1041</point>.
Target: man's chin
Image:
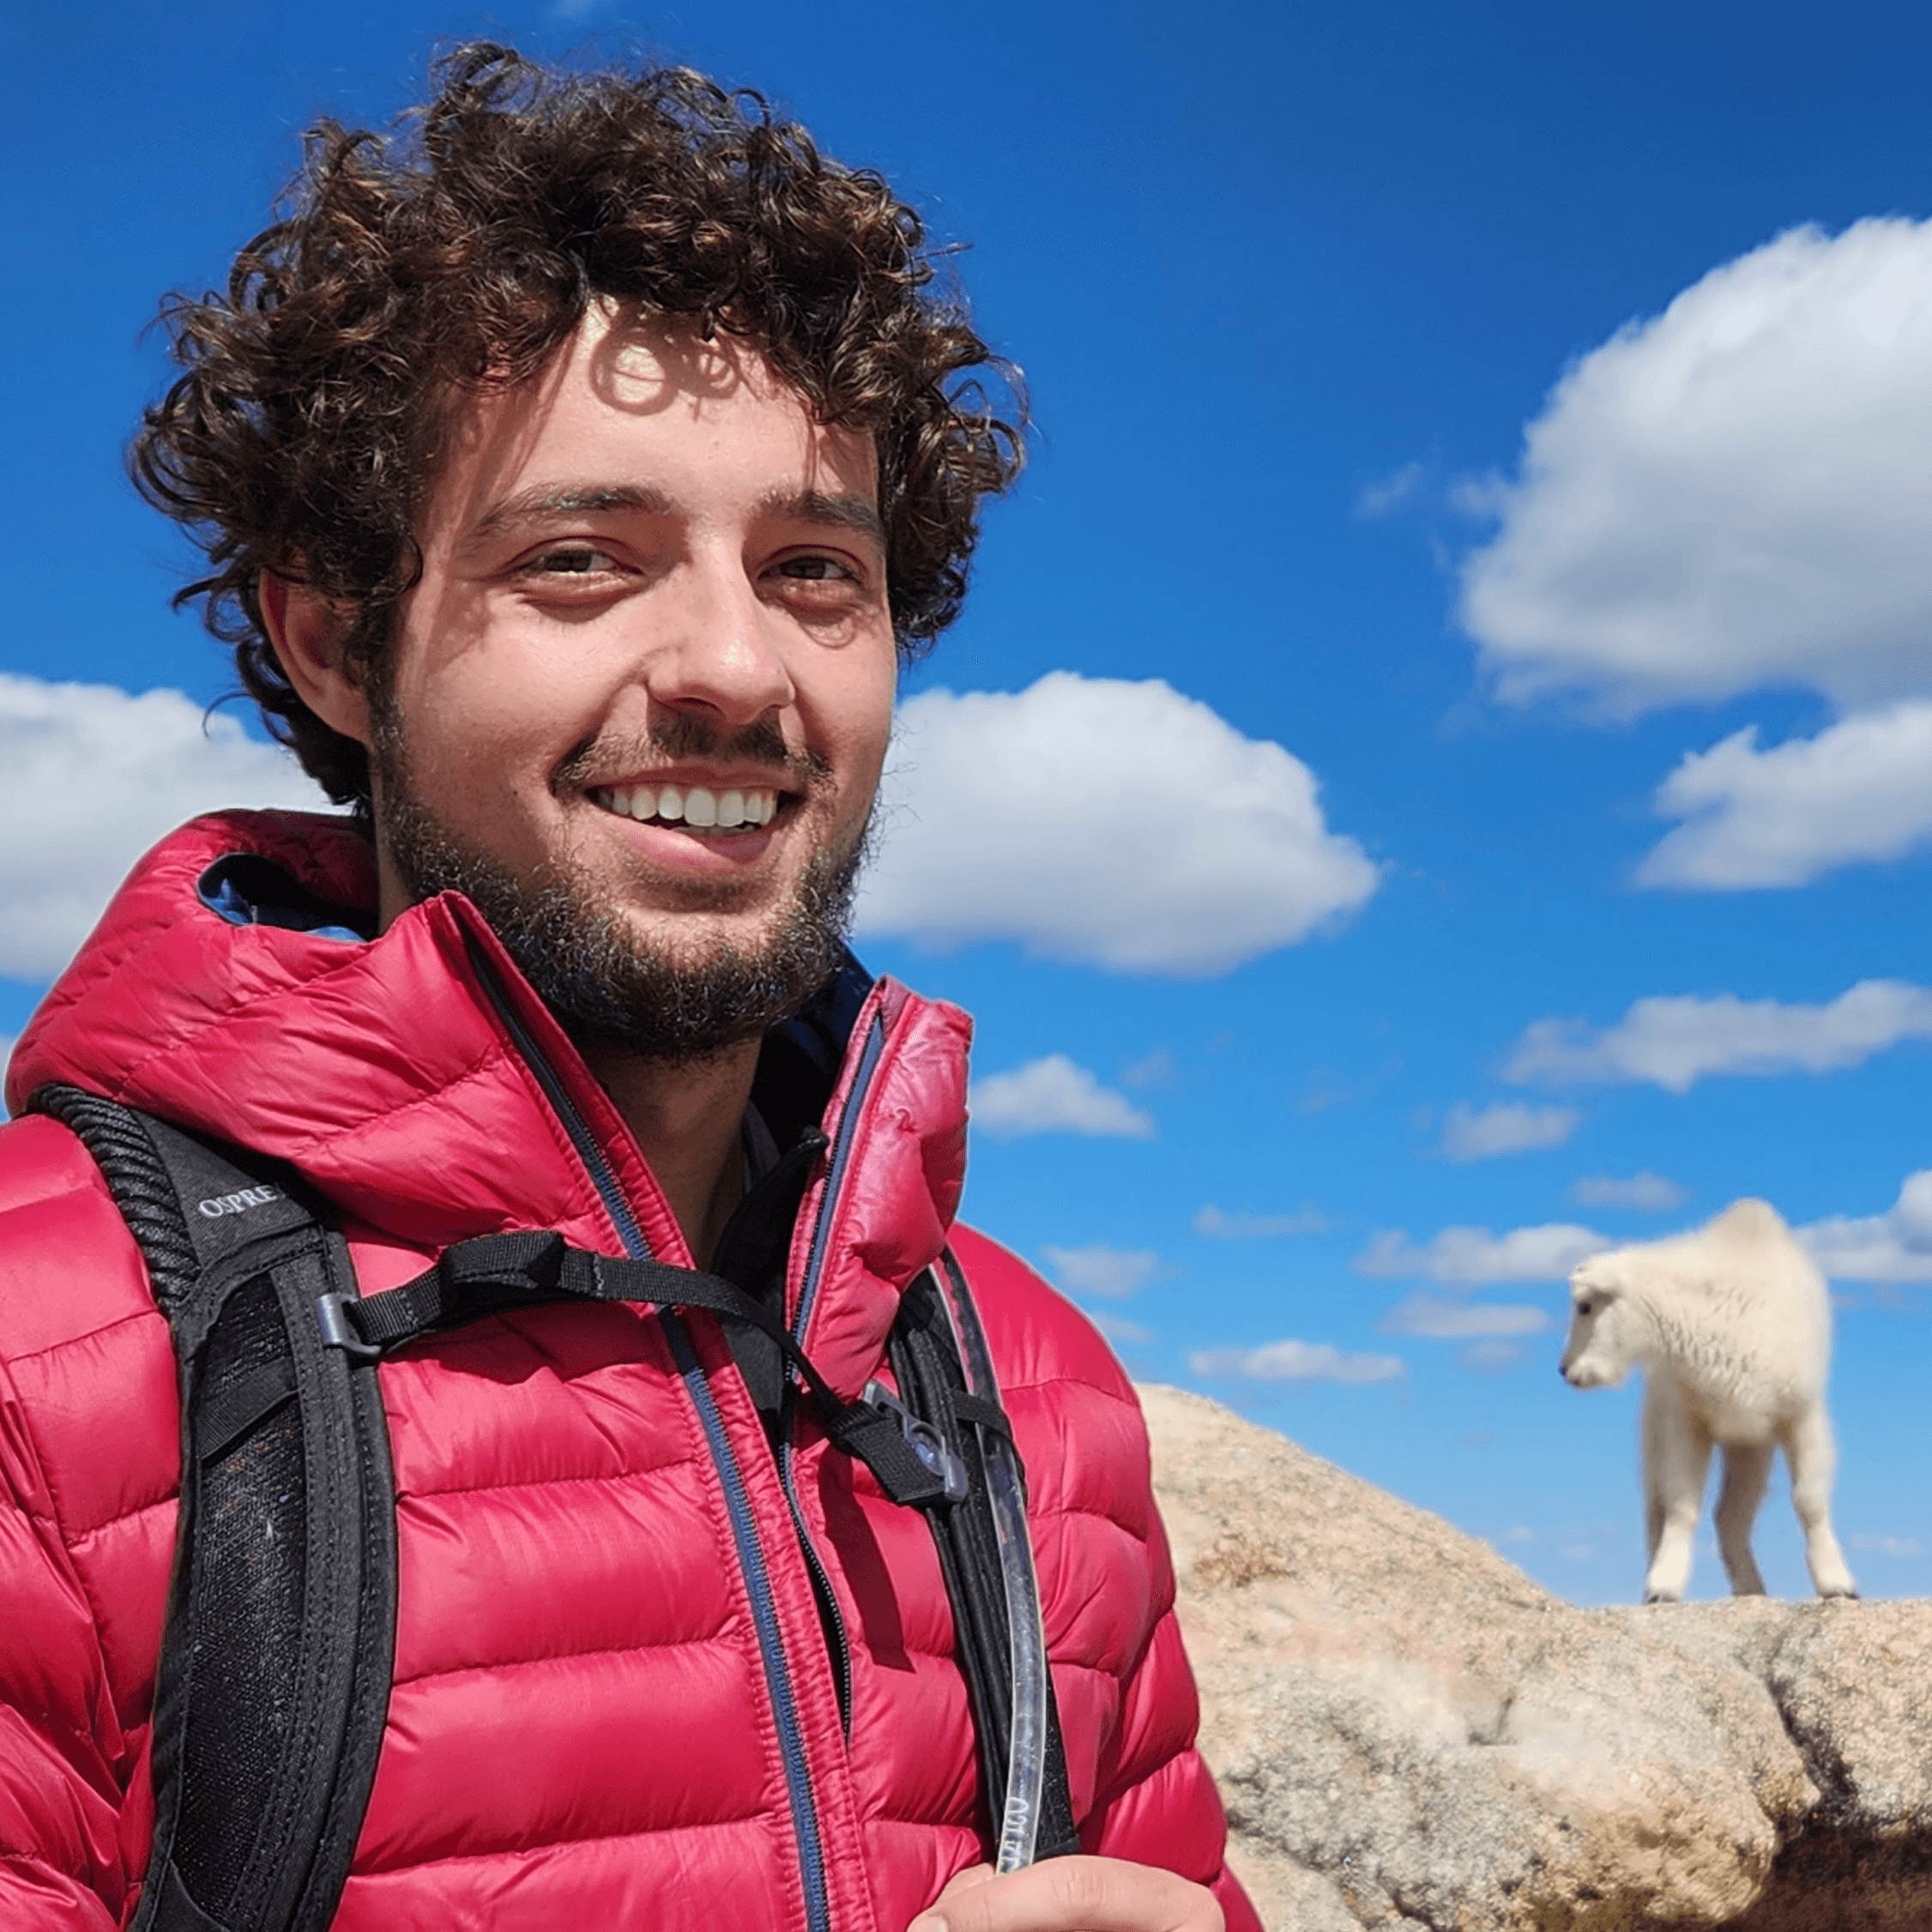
<point>675,978</point>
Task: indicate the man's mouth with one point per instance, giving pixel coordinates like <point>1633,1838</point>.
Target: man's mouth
<point>691,808</point>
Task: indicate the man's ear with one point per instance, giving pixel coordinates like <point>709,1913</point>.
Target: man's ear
<point>308,633</point>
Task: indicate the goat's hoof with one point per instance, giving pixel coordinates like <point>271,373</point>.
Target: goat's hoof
<point>1664,1595</point>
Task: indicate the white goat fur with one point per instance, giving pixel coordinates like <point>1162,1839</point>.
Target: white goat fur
<point>1732,1327</point>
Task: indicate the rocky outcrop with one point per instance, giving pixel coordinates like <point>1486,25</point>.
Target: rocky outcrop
<point>1408,1732</point>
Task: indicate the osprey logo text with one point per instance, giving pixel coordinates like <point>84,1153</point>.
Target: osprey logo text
<point>239,1202</point>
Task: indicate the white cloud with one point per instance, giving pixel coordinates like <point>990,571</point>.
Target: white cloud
<point>1156,1070</point>
<point>1211,1224</point>
<point>1861,790</point>
<point>1104,823</point>
<point>1892,1246</point>
<point>1887,1546</point>
<point>1441,1320</point>
<point>1509,1126</point>
<point>1735,494</point>
<point>1053,1095</point>
<point>91,776</point>
<point>1647,1192</point>
<point>1473,1255</point>
<point>1113,1272</point>
<point>1394,490</point>
<point>1121,1333</point>
<point>1490,1357</point>
<point>1674,1041</point>
<point>1295,1361</point>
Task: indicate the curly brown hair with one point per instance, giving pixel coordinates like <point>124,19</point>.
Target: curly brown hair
<point>464,246</point>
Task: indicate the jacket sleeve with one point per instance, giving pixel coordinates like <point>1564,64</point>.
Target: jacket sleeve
<point>1155,1800</point>
<point>61,1869</point>
<point>1128,1708</point>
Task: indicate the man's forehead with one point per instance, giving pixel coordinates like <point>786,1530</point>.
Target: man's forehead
<point>580,434</point>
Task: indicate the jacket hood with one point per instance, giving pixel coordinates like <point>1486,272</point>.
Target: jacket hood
<point>404,1075</point>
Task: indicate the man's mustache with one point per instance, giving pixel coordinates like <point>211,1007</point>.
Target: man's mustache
<point>675,736</point>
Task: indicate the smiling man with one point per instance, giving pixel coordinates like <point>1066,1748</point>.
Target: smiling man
<point>574,468</point>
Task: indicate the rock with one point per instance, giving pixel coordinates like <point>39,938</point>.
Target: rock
<point>1406,1726</point>
<point>1853,1682</point>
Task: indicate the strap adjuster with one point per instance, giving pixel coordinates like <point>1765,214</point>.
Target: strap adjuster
<point>339,1329</point>
<point>935,1455</point>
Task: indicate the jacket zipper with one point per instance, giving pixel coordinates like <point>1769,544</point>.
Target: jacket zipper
<point>738,1504</point>
<point>831,1615</point>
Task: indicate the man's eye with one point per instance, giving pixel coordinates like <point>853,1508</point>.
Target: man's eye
<point>816,570</point>
<point>580,559</point>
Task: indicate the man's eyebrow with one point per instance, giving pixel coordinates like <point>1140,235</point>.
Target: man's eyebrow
<point>848,510</point>
<point>544,500</point>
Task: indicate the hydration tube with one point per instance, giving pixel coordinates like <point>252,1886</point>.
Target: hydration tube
<point>1026,1752</point>
<point>1026,1637</point>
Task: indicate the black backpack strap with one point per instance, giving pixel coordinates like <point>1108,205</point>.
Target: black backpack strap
<point>491,1274</point>
<point>944,1370</point>
<point>942,1444</point>
<point>277,1655</point>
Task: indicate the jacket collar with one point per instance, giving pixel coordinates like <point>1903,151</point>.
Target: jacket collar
<point>420,1084</point>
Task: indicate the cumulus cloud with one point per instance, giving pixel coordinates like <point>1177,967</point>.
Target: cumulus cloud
<point>1511,1126</point>
<point>1114,1272</point>
<point>1103,823</point>
<point>1673,1042</point>
<point>1053,1095</point>
<point>1892,1246</point>
<point>1157,1069</point>
<point>1887,1546</point>
<point>91,776</point>
<point>1442,1321</point>
<point>1861,790</point>
<point>1211,1224</point>
<point>1121,1333</point>
<point>1490,1358</point>
<point>1390,492</point>
<point>1295,1361</point>
<point>1647,1192</point>
<point>1470,1256</point>
<point>1735,494</point>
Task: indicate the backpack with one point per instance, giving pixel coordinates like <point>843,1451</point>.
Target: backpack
<point>276,1657</point>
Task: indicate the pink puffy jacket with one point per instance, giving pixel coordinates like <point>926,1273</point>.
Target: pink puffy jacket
<point>606,1713</point>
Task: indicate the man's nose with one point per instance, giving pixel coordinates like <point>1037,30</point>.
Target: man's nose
<point>720,651</point>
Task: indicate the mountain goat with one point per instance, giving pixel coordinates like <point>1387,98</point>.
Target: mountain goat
<point>1733,1330</point>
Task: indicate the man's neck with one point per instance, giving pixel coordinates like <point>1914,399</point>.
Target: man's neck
<point>687,1121</point>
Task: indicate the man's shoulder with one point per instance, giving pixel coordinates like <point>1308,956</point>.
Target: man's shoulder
<point>1038,1337</point>
<point>1077,1421</point>
<point>69,1268</point>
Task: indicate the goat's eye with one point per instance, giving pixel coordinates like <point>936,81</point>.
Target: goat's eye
<point>1582,1307</point>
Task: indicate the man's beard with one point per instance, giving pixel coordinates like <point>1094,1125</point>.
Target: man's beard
<point>605,982</point>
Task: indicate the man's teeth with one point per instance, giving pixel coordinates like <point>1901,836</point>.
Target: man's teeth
<point>695,805</point>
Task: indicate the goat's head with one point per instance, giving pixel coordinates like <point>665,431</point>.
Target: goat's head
<point>1603,1345</point>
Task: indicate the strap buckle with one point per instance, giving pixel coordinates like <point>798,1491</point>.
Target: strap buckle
<point>935,1455</point>
<point>338,1329</point>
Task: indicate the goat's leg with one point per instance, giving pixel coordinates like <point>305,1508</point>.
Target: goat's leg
<point>1813,1456</point>
<point>1747,1475</point>
<point>1677,1460</point>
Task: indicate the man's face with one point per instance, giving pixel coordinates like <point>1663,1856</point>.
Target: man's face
<point>640,695</point>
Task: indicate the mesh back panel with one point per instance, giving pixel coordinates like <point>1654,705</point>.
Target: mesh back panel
<point>250,1537</point>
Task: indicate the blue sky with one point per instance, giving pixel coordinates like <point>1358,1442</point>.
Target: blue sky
<point>1463,606</point>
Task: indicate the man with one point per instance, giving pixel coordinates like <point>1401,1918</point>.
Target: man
<point>571,476</point>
